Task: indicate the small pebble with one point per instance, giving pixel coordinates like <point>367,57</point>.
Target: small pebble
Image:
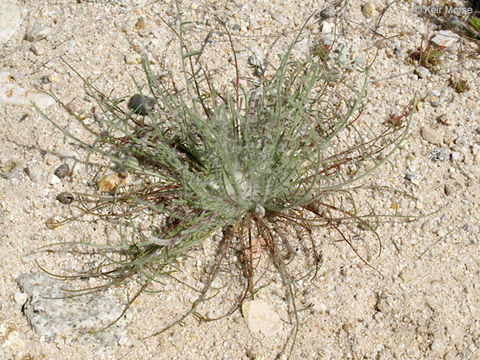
<point>327,13</point>
<point>133,59</point>
<point>431,135</point>
<point>444,120</point>
<point>141,104</point>
<point>368,10</point>
<point>445,39</point>
<point>422,72</point>
<point>45,79</point>
<point>447,189</point>
<point>140,24</point>
<point>62,171</point>
<point>65,197</point>
<point>457,156</point>
<point>437,346</point>
<point>412,177</point>
<point>38,32</point>
<point>54,179</point>
<point>439,154</point>
<point>35,173</point>
<point>327,28</point>
<point>20,298</point>
<point>108,183</point>
<point>36,49</point>
<point>254,61</point>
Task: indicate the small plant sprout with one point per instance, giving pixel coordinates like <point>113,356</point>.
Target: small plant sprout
<point>256,170</point>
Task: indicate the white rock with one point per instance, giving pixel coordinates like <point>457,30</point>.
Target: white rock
<point>54,180</point>
<point>327,28</point>
<point>445,39</point>
<point>10,18</point>
<point>456,156</point>
<point>260,317</point>
<point>15,95</point>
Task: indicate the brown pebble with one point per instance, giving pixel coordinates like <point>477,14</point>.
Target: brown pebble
<point>62,171</point>
<point>444,119</point>
<point>65,197</point>
<point>447,189</point>
<point>140,24</point>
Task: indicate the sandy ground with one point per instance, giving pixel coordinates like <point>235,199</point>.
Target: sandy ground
<point>424,305</point>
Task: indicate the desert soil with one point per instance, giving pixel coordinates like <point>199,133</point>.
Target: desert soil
<point>424,300</point>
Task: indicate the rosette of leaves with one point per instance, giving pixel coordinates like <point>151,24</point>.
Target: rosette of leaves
<point>250,165</point>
